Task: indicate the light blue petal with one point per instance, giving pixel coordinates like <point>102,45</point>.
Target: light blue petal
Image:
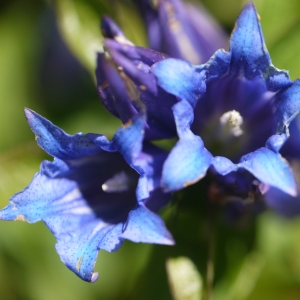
<point>145,226</point>
<point>72,203</point>
<point>128,140</point>
<point>287,106</point>
<point>56,142</point>
<point>180,78</point>
<point>223,165</point>
<point>276,141</point>
<point>270,168</point>
<point>189,160</point>
<point>79,250</point>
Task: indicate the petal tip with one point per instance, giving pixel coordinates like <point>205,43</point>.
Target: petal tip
<point>94,277</point>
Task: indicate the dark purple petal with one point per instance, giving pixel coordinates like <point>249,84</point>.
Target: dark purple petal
<point>111,30</point>
<point>181,30</point>
<point>283,203</point>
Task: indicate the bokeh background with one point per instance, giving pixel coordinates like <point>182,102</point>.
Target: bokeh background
<point>47,57</point>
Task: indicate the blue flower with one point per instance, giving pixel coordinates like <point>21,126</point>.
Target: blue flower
<point>95,194</point>
<point>181,30</point>
<point>126,85</point>
<point>242,118</point>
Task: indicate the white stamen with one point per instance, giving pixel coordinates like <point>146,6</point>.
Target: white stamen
<point>120,182</point>
<point>234,120</point>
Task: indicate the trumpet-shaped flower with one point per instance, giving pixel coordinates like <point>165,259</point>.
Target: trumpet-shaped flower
<point>237,127</point>
<point>126,85</point>
<point>95,194</point>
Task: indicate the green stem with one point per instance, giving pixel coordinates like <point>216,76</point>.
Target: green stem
<point>210,252</point>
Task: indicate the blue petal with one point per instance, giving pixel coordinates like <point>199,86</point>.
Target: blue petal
<point>248,55</point>
<point>189,159</point>
<point>181,30</point>
<point>145,158</point>
<point>270,168</point>
<point>276,141</point>
<point>112,89</point>
<point>86,198</point>
<point>79,251</point>
<point>283,203</point>
<point>72,203</point>
<point>223,165</point>
<point>291,148</point>
<point>127,140</point>
<point>247,46</point>
<point>125,56</point>
<point>126,87</point>
<point>180,78</point>
<point>111,30</point>
<point>145,226</point>
<point>287,106</point>
<point>56,142</point>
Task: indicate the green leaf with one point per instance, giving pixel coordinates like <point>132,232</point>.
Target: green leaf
<point>184,279</point>
<point>281,27</point>
<point>79,25</point>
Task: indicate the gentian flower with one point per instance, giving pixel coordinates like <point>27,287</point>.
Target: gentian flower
<point>181,30</point>
<point>95,194</point>
<point>124,68</point>
<point>125,84</point>
<point>237,127</point>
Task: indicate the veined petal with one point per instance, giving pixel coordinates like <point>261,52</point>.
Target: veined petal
<point>182,30</point>
<point>127,140</point>
<point>247,45</point>
<point>270,168</point>
<point>126,86</point>
<point>145,226</point>
<point>56,142</point>
<point>287,106</point>
<point>112,89</point>
<point>79,251</point>
<point>189,160</point>
<point>85,196</point>
<point>124,56</point>
<point>180,78</point>
<point>248,55</point>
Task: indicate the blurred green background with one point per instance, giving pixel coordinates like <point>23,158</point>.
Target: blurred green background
<point>47,53</point>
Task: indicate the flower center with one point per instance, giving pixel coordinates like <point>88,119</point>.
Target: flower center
<point>120,182</point>
<point>231,122</point>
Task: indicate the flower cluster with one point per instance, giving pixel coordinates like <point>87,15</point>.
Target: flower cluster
<point>234,116</point>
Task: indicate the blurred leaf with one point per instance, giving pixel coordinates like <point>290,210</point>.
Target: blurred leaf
<point>278,18</point>
<point>279,245</point>
<point>18,52</point>
<point>184,279</point>
<point>281,27</point>
<point>131,23</point>
<point>79,25</point>
<point>244,282</point>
